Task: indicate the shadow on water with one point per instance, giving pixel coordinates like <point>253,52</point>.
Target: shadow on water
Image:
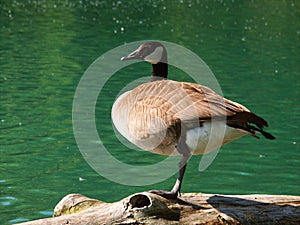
<point>255,212</point>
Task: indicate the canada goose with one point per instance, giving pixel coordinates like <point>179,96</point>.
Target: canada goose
<point>175,118</point>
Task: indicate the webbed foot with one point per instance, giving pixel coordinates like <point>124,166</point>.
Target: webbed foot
<point>166,194</point>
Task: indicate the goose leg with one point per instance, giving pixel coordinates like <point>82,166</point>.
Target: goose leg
<point>175,192</point>
<point>182,166</point>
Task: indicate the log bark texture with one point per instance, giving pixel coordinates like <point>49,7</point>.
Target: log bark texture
<point>190,208</point>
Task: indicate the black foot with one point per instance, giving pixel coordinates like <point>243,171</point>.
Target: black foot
<point>165,194</point>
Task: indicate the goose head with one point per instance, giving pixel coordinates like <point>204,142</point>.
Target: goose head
<point>155,53</point>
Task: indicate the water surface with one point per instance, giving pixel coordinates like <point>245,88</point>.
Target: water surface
<point>251,46</point>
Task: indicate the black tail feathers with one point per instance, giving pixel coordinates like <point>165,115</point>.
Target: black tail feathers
<point>243,120</point>
<point>264,133</point>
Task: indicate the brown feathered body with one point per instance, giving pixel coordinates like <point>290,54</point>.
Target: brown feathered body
<point>156,116</point>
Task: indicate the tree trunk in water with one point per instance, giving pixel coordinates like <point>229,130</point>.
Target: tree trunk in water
<point>192,208</point>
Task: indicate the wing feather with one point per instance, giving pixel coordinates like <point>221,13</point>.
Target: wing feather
<point>161,105</point>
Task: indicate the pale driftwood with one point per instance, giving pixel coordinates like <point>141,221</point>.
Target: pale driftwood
<point>193,208</point>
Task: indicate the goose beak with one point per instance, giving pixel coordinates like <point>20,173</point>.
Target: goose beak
<point>132,55</point>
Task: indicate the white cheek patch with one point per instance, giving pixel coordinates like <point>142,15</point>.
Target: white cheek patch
<point>155,56</point>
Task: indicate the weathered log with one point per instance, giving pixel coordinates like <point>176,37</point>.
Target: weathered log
<point>193,208</point>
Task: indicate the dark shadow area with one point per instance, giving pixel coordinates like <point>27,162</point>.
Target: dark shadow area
<point>256,212</point>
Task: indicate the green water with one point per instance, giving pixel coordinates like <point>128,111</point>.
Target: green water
<point>253,48</point>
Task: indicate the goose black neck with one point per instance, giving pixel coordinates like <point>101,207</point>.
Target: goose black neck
<point>159,71</point>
